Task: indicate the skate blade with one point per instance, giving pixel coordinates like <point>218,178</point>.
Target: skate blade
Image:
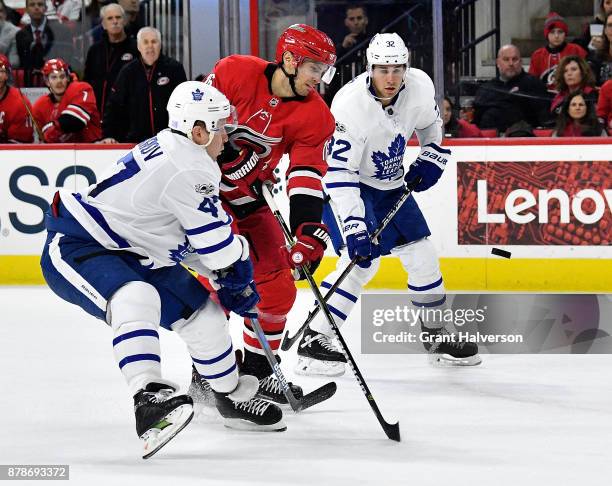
<point>448,361</point>
<point>154,439</point>
<point>315,367</point>
<point>241,424</point>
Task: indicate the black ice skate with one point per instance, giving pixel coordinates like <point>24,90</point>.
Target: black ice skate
<point>200,390</point>
<point>318,355</point>
<point>446,349</point>
<point>270,389</point>
<point>160,416</point>
<point>254,414</point>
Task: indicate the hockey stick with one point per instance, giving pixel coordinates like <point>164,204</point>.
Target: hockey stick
<point>39,132</point>
<point>290,341</point>
<point>391,430</point>
<point>312,398</point>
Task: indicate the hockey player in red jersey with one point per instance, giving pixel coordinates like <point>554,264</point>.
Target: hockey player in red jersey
<point>68,114</point>
<point>15,122</point>
<point>279,112</point>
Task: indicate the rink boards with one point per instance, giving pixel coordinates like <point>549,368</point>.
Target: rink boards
<point>547,202</point>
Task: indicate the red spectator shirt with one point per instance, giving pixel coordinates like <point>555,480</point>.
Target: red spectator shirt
<point>557,102</point>
<point>468,130</point>
<point>275,126</point>
<point>15,123</point>
<point>604,105</point>
<point>78,101</point>
<point>543,62</point>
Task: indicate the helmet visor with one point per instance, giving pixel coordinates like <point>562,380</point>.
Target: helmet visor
<point>228,123</point>
<point>319,70</point>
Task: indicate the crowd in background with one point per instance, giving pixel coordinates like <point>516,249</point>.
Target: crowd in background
<point>119,91</point>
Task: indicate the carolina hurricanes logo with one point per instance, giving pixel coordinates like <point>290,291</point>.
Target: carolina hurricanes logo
<point>245,136</point>
<point>259,121</point>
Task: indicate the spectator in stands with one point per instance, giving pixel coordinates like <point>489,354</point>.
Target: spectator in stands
<point>8,32</point>
<point>106,57</point>
<point>605,7</point>
<point>512,96</point>
<point>136,108</point>
<point>573,74</point>
<point>356,22</point>
<point>15,122</point>
<point>39,41</point>
<point>604,105</point>
<point>12,15</point>
<point>601,60</point>
<point>34,41</point>
<point>64,11</point>
<point>577,118</point>
<point>457,127</point>
<point>134,16</point>
<point>68,113</point>
<point>545,59</point>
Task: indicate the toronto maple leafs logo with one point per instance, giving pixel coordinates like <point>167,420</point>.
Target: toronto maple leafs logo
<point>197,94</point>
<point>181,252</point>
<point>387,165</point>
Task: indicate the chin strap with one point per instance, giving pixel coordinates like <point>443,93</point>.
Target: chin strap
<point>291,78</point>
<point>189,135</point>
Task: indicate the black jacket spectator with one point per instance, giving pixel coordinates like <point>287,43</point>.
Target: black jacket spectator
<point>136,108</point>
<point>32,55</point>
<point>500,104</point>
<point>104,61</point>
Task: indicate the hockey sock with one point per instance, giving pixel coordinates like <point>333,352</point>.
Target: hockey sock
<point>345,297</point>
<point>134,313</point>
<point>207,337</point>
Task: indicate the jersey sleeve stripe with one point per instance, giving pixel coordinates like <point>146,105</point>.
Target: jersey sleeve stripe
<point>306,192</point>
<point>303,173</point>
<point>78,109</point>
<point>213,248</point>
<point>342,169</point>
<point>335,185</point>
<point>208,227</point>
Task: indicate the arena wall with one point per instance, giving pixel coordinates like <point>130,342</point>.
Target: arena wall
<point>545,203</point>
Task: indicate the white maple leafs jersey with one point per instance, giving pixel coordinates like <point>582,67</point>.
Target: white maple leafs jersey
<point>160,201</point>
<point>369,142</point>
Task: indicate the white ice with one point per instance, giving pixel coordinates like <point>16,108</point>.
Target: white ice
<point>514,420</point>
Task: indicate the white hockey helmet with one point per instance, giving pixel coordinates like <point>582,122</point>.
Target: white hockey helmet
<point>387,49</point>
<point>193,101</point>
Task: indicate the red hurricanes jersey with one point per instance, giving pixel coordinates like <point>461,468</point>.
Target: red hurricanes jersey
<point>274,126</point>
<point>604,105</point>
<point>78,101</point>
<point>15,123</point>
<point>544,63</point>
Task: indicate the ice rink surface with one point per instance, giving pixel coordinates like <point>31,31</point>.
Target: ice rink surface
<point>514,420</point>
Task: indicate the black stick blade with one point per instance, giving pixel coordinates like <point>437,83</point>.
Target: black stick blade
<point>288,341</point>
<point>392,431</point>
<point>319,395</point>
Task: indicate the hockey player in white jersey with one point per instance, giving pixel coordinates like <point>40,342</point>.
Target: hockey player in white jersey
<point>375,115</point>
<point>117,250</point>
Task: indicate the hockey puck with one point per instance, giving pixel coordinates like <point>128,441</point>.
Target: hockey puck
<point>501,253</point>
